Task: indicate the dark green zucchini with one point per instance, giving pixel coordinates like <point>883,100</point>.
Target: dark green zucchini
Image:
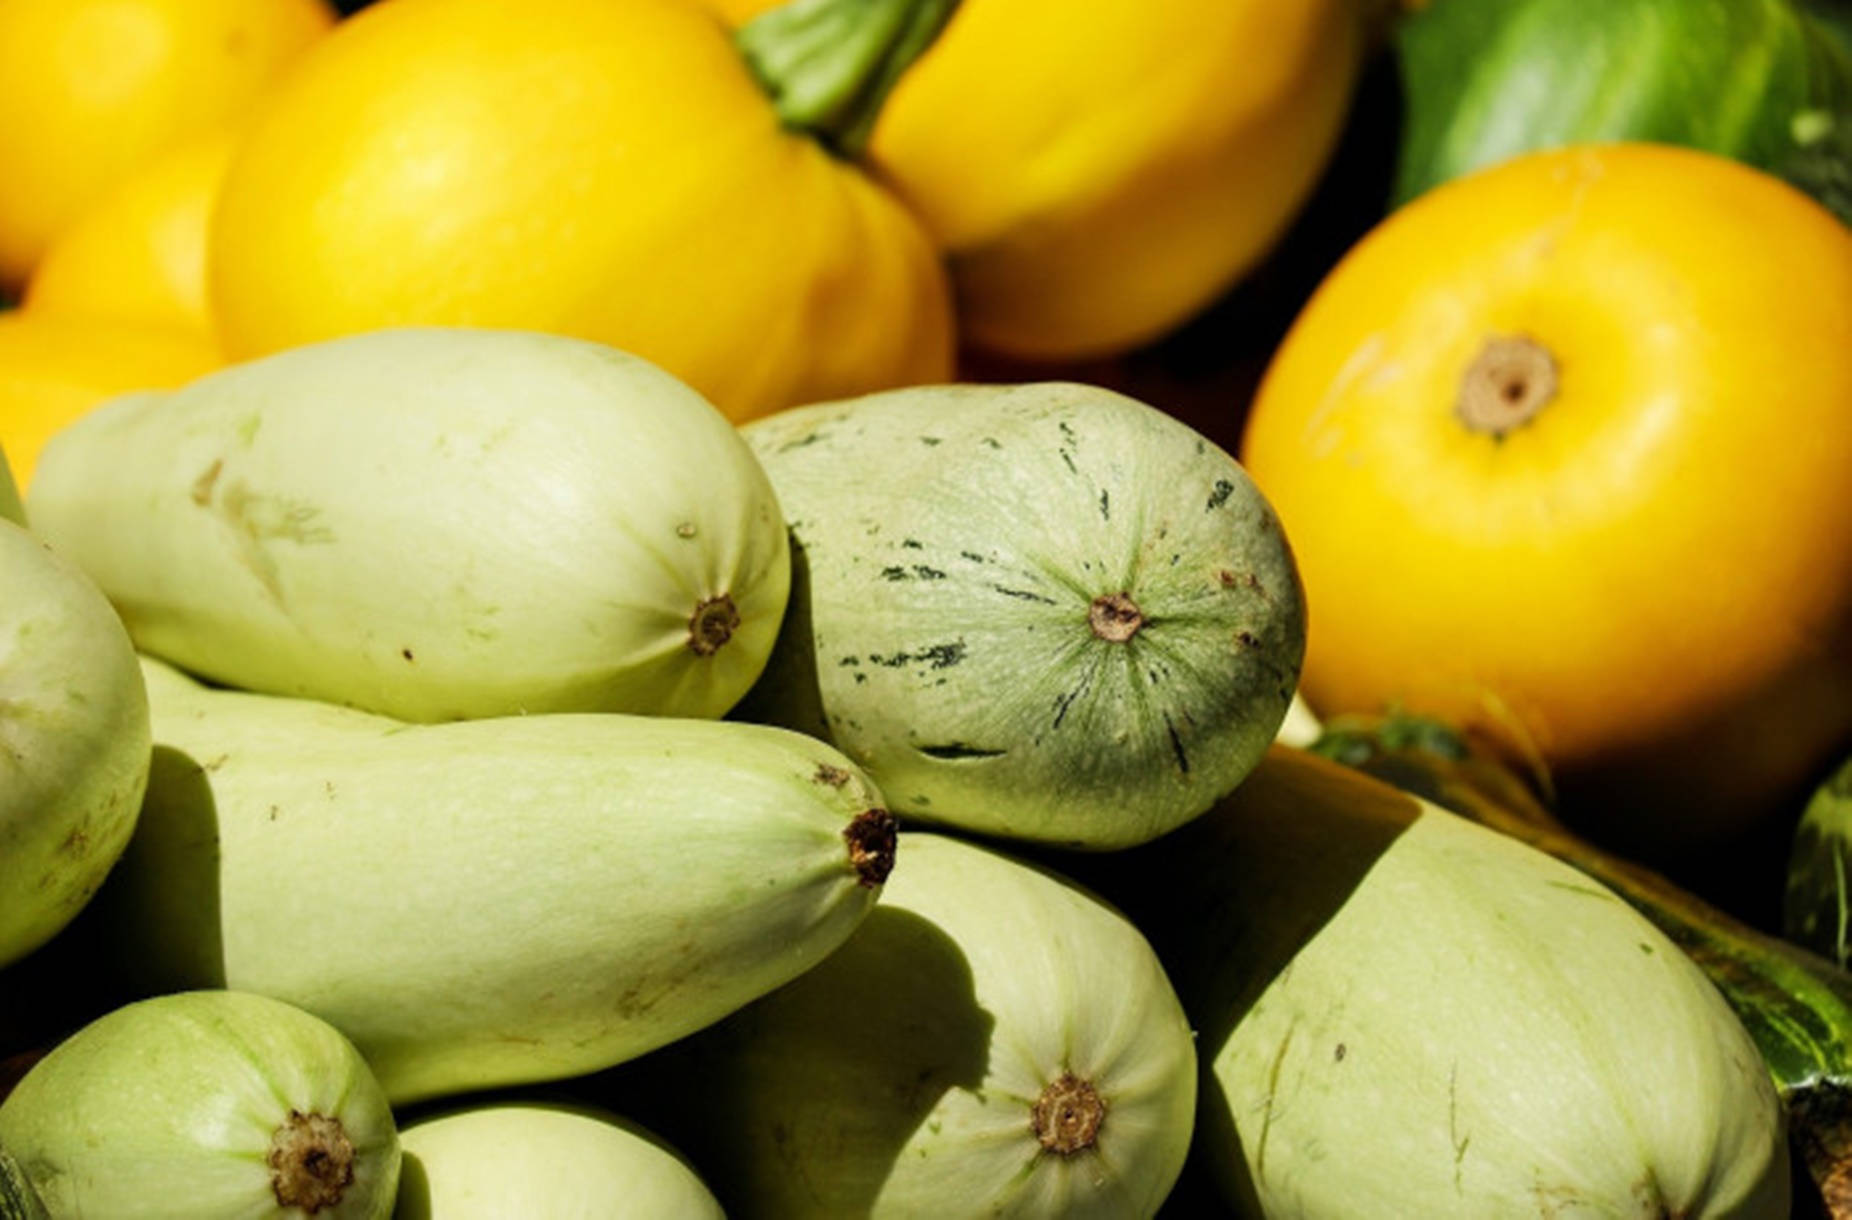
<point>1796,1005</point>
<point>1767,82</point>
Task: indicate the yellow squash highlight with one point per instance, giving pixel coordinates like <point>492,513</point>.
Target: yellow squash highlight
<point>609,171</point>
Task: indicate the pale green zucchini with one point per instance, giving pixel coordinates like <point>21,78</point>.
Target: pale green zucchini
<point>495,901</point>
<point>1402,1013</point>
<point>74,743</point>
<point>206,1105</point>
<point>1048,612</point>
<point>10,507</point>
<point>431,524</point>
<point>993,1041</point>
<point>501,1159</point>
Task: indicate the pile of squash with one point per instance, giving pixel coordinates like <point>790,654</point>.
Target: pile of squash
<point>925,608</point>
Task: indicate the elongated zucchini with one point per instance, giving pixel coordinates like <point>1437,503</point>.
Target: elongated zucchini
<point>1045,612</point>
<point>431,523</point>
<point>505,1158</point>
<point>993,1041</point>
<point>488,902</point>
<point>1402,1013</point>
<point>1796,1005</point>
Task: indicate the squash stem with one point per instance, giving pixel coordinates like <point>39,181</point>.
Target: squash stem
<point>828,65</point>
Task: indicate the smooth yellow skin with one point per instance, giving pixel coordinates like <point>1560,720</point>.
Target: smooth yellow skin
<point>90,90</point>
<point>1651,580</point>
<point>139,256</point>
<point>1097,173</point>
<point>609,171</point>
<point>55,369</point>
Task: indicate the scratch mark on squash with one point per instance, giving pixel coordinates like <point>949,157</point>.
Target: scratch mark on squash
<point>1272,1104</point>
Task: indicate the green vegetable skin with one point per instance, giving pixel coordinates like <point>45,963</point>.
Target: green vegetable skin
<point>992,1042</point>
<point>202,1106</point>
<point>18,1201</point>
<point>1403,1013</point>
<point>1795,1005</point>
<point>10,507</point>
<point>1816,909</point>
<point>488,902</point>
<point>505,1159</point>
<point>1763,81</point>
<point>74,741</point>
<point>1047,612</point>
<point>432,524</point>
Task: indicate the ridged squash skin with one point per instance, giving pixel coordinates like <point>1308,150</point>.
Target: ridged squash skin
<point>993,1041</point>
<point>205,1105</point>
<point>606,170</point>
<point>74,740</point>
<point>1048,611</point>
<point>1401,1013</point>
<point>432,523</point>
<point>488,902</point>
<point>500,1159</point>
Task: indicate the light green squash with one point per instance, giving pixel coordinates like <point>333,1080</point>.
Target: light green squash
<point>502,1159</point>
<point>431,524</point>
<point>74,741</point>
<point>993,1041</point>
<point>209,1105</point>
<point>1047,612</point>
<point>489,902</point>
<point>1403,1013</point>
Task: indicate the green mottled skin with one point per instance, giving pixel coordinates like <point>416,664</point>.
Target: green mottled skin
<point>1763,81</point>
<point>951,547</point>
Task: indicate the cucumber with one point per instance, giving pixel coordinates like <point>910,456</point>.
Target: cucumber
<point>1817,899</point>
<point>1047,612</point>
<point>432,524</point>
<point>993,1041</point>
<point>1767,82</point>
<point>499,1159</point>
<point>488,902</point>
<point>1402,1013</point>
<point>74,741</point>
<point>201,1106</point>
<point>1795,1004</point>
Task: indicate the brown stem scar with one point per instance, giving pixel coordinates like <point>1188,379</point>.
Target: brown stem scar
<point>1115,617</point>
<point>872,836</point>
<point>311,1162</point>
<point>712,624</point>
<point>1511,379</point>
<point>1066,1118</point>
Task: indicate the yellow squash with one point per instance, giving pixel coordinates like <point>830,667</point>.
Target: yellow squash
<point>55,369</point>
<point>90,90</point>
<point>1563,451</point>
<point>1096,180</point>
<point>605,170</point>
<point>139,256</point>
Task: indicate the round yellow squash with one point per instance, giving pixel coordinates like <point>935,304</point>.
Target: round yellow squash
<point>90,90</point>
<point>139,256</point>
<point>609,170</point>
<point>1097,174</point>
<point>1562,449</point>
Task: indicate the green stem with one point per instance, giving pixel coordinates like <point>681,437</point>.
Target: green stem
<point>18,1201</point>
<point>828,65</point>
